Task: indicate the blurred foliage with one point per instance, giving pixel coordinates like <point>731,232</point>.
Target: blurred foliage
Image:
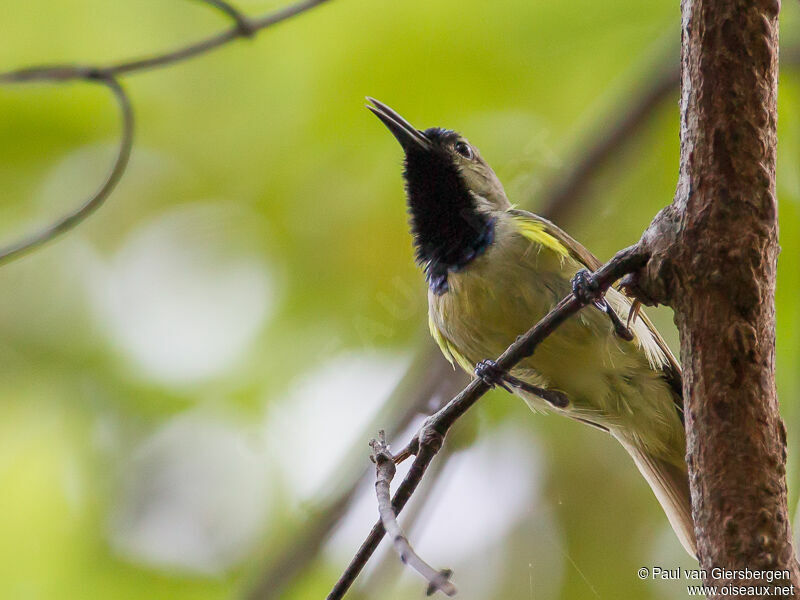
<point>260,234</point>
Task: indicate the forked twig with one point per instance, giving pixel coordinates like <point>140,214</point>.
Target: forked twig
<point>242,21</point>
<point>108,75</point>
<point>385,470</point>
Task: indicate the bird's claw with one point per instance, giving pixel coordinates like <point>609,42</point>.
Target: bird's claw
<point>491,374</point>
<point>585,288</point>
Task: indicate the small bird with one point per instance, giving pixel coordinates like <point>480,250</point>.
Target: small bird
<point>493,271</point>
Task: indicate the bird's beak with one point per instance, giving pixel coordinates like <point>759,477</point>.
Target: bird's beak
<point>406,134</point>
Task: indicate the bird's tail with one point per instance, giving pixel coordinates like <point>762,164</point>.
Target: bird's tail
<point>670,484</point>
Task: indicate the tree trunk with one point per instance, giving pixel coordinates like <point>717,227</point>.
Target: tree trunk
<point>713,260</point>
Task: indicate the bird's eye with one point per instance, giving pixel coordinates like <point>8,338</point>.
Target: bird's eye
<point>464,150</point>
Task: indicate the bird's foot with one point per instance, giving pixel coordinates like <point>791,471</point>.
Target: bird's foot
<point>585,289</point>
<point>492,375</point>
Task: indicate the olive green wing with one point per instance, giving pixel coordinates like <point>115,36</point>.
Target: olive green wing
<point>573,247</point>
<point>653,344</point>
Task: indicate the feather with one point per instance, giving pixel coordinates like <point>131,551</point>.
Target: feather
<point>670,484</point>
<point>656,349</point>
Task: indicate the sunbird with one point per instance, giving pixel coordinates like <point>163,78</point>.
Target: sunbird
<point>493,271</point>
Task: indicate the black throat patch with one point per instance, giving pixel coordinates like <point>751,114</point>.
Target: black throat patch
<point>449,232</point>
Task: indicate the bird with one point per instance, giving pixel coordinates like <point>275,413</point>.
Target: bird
<point>494,270</point>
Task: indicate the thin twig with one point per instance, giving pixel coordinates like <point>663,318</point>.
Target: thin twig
<point>378,577</point>
<point>385,470</point>
<point>423,458</point>
<point>242,21</point>
<point>65,72</point>
<point>430,437</point>
<point>108,75</point>
<point>94,202</point>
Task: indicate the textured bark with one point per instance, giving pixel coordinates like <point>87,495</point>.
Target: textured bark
<point>713,260</point>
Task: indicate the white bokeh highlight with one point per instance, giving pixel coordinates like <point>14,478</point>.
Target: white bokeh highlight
<point>310,430</point>
<point>195,497</point>
<point>489,487</point>
<point>177,302</point>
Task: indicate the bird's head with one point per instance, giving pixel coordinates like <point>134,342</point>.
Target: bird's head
<point>452,195</point>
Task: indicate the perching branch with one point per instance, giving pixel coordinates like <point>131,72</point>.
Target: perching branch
<point>429,439</point>
<point>108,75</point>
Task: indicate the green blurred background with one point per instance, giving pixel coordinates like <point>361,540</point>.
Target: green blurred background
<point>183,378</point>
